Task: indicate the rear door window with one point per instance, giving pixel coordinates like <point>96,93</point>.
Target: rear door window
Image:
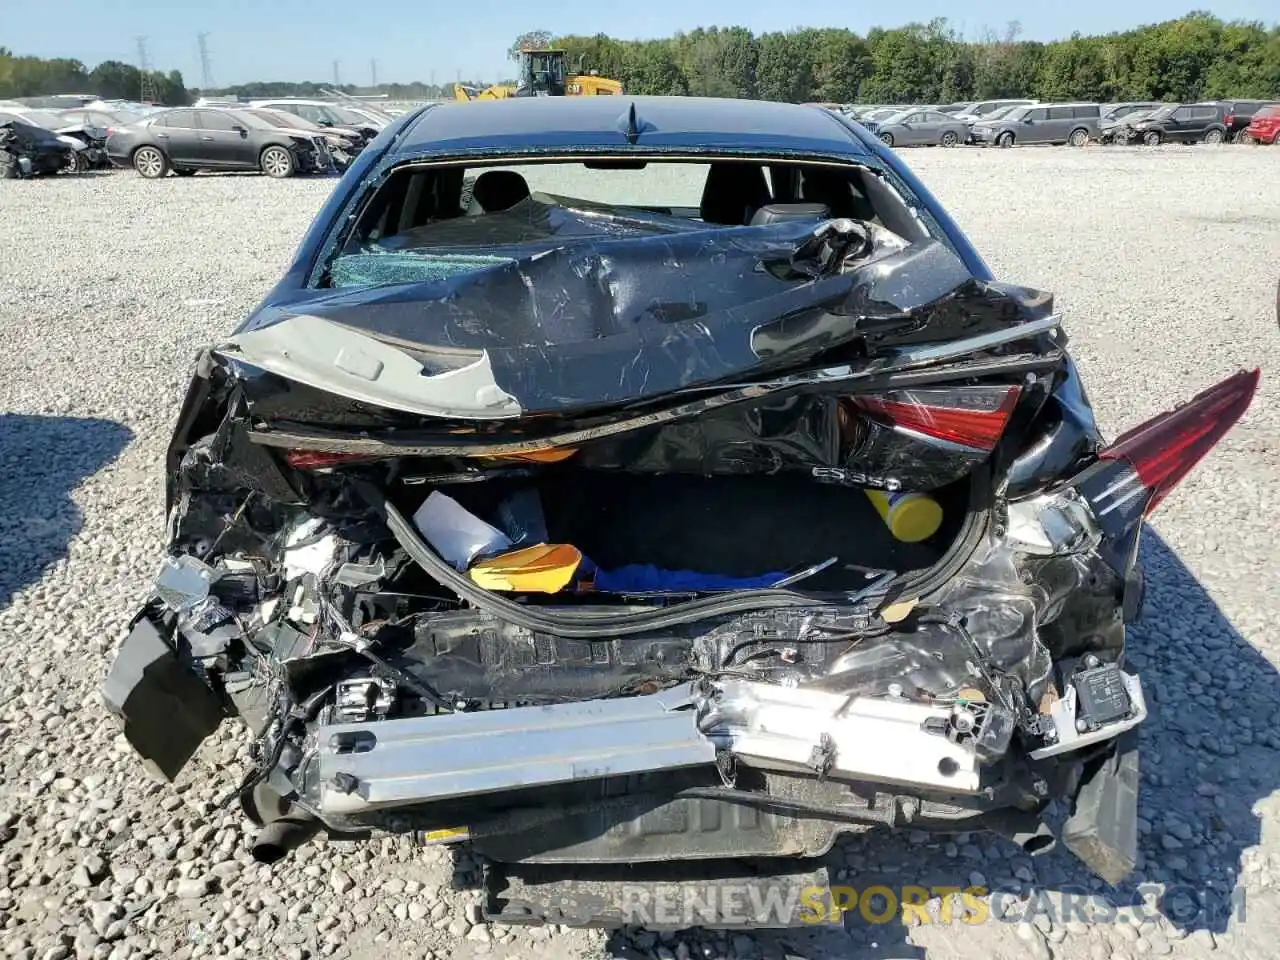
<point>213,120</point>
<point>307,111</point>
<point>1088,111</point>
<point>181,119</point>
<point>1060,113</point>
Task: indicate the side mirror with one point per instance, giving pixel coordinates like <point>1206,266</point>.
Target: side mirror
<point>326,123</point>
<point>1027,120</point>
<point>240,130</point>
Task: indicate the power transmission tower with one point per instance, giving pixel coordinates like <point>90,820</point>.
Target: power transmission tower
<point>373,70</point>
<point>146,89</point>
<point>337,78</point>
<point>206,71</point>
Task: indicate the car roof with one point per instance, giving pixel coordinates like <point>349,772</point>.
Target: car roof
<point>568,123</point>
<point>301,101</point>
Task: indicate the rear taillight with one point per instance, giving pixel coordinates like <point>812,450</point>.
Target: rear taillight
<point>320,459</point>
<point>1143,465</point>
<point>973,417</point>
<point>1164,449</point>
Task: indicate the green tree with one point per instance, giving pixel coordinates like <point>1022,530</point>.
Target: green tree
<point>530,38</point>
<point>651,68</point>
<point>1075,69</point>
<point>784,69</point>
<point>841,62</point>
<point>904,68</point>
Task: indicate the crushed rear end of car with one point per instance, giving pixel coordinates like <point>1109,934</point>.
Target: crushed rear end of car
<point>666,542</point>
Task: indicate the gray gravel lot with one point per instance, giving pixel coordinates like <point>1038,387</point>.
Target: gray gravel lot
<point>1165,263</point>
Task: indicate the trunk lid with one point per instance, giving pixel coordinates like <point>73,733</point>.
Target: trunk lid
<point>664,312</point>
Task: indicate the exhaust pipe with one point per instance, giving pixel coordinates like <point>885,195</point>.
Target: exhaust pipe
<point>280,836</point>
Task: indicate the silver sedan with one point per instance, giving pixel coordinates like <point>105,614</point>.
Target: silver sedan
<point>921,128</point>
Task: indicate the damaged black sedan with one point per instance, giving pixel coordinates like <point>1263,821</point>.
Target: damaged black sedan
<point>615,485</point>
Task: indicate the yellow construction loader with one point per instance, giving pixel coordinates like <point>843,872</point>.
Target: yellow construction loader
<point>542,74</point>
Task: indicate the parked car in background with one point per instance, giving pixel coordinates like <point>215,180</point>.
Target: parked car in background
<point>27,150</point>
<point>1237,115</point>
<point>186,140</point>
<point>344,143</point>
<point>1265,126</point>
<point>101,118</point>
<point>919,128</point>
<point>1112,112</point>
<point>58,101</point>
<point>1182,123</point>
<point>1118,127</point>
<point>983,109</point>
<point>871,117</point>
<point>325,114</point>
<point>86,143</point>
<point>993,115</point>
<point>131,107</point>
<point>1052,123</point>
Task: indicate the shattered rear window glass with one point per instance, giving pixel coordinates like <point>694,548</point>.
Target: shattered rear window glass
<point>439,223</point>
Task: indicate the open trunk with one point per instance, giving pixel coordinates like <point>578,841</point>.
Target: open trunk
<point>732,526</point>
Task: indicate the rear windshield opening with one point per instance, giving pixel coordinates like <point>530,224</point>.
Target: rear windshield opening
<point>432,223</point>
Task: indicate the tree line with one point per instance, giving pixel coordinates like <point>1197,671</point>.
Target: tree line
<point>111,79</point>
<point>1195,57</point>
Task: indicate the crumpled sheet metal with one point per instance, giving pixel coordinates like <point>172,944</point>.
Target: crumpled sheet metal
<point>598,321</point>
<point>22,154</point>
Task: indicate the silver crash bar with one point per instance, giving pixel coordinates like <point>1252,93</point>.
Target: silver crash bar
<point>394,763</point>
<point>383,764</point>
<point>858,738</point>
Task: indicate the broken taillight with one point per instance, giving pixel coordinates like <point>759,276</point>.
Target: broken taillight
<point>971,416</point>
<point>321,459</point>
<point>1138,470</point>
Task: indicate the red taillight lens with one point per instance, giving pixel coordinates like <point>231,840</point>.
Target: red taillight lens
<point>319,459</point>
<point>970,416</point>
<point>1164,449</point>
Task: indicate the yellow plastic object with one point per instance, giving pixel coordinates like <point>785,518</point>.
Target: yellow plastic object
<point>910,517</point>
<point>897,612</point>
<point>544,568</point>
<point>543,456</point>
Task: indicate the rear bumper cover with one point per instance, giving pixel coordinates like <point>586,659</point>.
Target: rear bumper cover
<point>881,750</point>
<point>163,706</point>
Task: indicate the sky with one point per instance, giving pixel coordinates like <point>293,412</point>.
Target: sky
<point>437,39</point>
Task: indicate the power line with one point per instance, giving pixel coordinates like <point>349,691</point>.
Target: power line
<point>206,71</point>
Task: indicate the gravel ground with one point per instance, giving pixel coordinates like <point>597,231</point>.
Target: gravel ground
<point>1165,263</point>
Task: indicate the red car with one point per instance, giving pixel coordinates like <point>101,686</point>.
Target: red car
<point>1265,125</point>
